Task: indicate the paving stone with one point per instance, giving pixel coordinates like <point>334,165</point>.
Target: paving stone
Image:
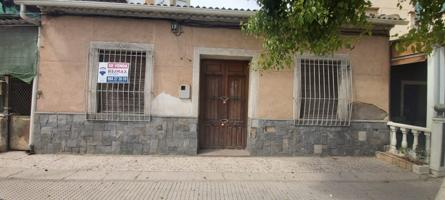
<point>65,176</point>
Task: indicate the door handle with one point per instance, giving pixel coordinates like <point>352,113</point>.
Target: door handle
<point>224,122</point>
<point>224,99</point>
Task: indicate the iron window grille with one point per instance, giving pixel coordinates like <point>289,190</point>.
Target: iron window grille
<point>323,91</point>
<point>120,98</point>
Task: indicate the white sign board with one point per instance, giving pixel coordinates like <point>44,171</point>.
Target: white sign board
<point>113,72</point>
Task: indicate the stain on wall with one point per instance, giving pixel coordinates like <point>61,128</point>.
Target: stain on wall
<point>366,111</point>
<point>168,105</point>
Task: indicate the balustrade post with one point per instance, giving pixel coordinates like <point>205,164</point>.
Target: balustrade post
<point>393,140</point>
<point>427,146</point>
<point>404,144</point>
<point>415,141</point>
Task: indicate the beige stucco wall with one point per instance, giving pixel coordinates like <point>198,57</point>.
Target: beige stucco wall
<point>64,62</point>
<point>370,73</point>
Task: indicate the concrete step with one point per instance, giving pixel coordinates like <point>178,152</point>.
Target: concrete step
<point>403,163</point>
<point>224,152</point>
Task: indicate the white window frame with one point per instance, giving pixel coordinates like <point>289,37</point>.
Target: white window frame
<point>93,70</point>
<point>344,105</point>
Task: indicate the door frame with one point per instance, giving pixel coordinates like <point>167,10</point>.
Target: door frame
<point>225,54</point>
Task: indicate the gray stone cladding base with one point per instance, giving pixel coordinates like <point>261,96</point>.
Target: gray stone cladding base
<point>72,133</point>
<point>283,138</point>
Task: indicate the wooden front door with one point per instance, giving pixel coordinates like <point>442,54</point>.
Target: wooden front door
<point>223,104</point>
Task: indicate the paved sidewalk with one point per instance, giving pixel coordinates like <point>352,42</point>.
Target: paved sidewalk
<point>176,177</point>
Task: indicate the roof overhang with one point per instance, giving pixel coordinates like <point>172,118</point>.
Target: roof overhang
<point>407,56</point>
<point>233,16</point>
<point>13,20</point>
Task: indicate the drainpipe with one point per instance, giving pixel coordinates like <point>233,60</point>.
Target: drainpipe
<point>34,95</point>
<point>33,109</point>
<point>25,17</point>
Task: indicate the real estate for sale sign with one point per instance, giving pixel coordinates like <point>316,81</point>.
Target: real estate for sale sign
<point>113,72</point>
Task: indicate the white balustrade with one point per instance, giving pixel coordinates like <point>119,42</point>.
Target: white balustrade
<point>404,149</point>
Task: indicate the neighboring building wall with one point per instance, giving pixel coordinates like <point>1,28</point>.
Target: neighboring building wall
<point>63,87</point>
<point>390,6</point>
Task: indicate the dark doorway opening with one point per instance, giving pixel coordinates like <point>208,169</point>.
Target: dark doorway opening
<point>409,93</point>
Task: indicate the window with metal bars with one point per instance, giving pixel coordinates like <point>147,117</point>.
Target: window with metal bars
<point>323,91</point>
<point>120,82</point>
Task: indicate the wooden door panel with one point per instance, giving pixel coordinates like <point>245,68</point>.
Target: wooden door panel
<point>214,91</point>
<point>236,91</point>
<point>223,104</point>
<point>214,68</point>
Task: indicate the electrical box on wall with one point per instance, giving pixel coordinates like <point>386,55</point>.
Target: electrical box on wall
<point>184,91</point>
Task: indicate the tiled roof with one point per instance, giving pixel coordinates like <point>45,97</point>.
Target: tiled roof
<point>164,11</point>
<point>393,17</point>
<point>178,6</point>
<point>166,5</point>
<point>381,16</point>
<point>110,1</point>
<point>386,17</point>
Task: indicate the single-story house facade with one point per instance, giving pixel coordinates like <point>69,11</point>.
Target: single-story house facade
<point>119,78</point>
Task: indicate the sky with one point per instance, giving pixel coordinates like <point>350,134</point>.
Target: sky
<point>250,4</point>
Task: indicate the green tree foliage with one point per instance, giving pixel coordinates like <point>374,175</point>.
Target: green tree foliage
<point>290,27</point>
<point>430,26</point>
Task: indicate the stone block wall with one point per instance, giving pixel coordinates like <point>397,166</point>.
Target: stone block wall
<point>282,138</point>
<point>72,133</point>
